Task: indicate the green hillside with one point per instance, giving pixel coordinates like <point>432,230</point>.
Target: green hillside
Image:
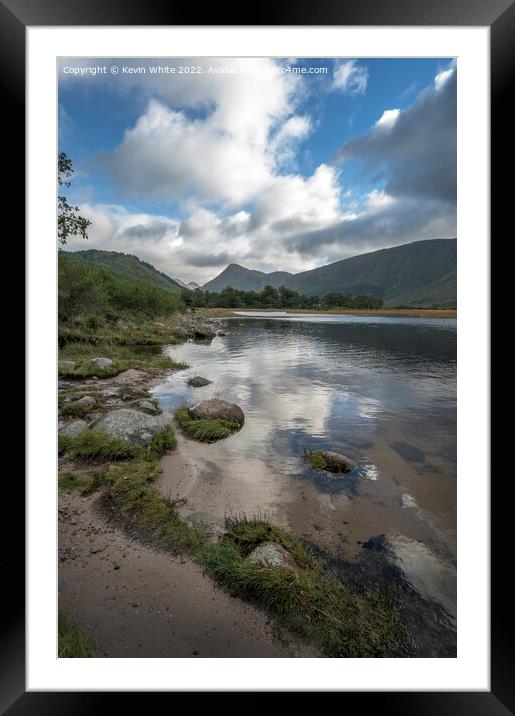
<point>440,293</point>
<point>422,274</point>
<point>388,273</point>
<point>127,266</point>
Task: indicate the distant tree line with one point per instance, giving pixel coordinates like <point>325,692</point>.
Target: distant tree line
<point>270,297</point>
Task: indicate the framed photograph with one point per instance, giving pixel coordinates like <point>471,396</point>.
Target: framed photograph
<point>258,300</point>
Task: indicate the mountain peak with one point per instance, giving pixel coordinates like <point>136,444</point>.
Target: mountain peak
<point>419,273</point>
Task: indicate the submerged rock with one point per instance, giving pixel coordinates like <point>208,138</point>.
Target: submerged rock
<point>66,365</point>
<point>74,428</point>
<point>336,462</point>
<point>101,362</point>
<point>271,554</point>
<point>198,381</point>
<point>328,460</point>
<point>218,410</point>
<point>130,425</point>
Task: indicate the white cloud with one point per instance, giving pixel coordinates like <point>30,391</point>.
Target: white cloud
<point>350,78</point>
<point>226,147</point>
<point>388,118</point>
<point>223,151</point>
<point>442,77</point>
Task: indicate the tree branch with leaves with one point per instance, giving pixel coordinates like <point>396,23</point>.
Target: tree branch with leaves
<point>69,221</point>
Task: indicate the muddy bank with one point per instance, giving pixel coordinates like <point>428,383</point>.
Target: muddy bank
<point>138,602</point>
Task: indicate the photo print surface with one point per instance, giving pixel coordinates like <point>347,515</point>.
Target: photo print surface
<point>257,357</point>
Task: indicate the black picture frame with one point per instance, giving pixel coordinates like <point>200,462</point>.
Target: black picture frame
<point>499,15</point>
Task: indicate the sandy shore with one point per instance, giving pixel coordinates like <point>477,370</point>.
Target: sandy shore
<point>138,602</point>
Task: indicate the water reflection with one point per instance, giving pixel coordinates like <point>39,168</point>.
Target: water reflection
<point>381,391</point>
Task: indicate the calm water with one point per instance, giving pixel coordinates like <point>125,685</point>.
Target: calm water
<point>380,390</point>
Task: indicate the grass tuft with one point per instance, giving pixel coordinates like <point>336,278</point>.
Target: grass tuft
<point>73,642</point>
<point>342,620</point>
<point>95,446</point>
<point>139,506</point>
<point>315,459</point>
<point>204,430</point>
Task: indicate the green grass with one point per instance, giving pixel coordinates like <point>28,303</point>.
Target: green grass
<point>204,430</point>
<point>98,447</point>
<point>315,459</point>
<point>165,440</point>
<point>86,482</point>
<point>341,620</point>
<point>73,410</point>
<point>72,642</point>
<point>139,506</point>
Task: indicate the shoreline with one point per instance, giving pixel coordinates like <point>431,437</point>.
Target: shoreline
<point>451,313</point>
<point>259,631</point>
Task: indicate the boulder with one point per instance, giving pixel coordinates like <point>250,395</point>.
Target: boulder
<point>198,381</point>
<point>101,362</point>
<point>148,406</point>
<point>203,332</point>
<point>130,425</point>
<point>218,410</point>
<point>271,554</point>
<point>66,365</point>
<point>336,462</point>
<point>86,402</point>
<point>180,332</point>
<point>74,428</point>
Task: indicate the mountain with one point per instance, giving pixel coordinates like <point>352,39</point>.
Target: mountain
<point>127,266</point>
<point>440,293</point>
<point>422,273</point>
<point>246,280</point>
<point>191,285</point>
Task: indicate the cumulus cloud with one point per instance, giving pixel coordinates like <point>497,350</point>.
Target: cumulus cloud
<point>349,77</point>
<point>224,153</point>
<point>415,149</point>
<point>220,140</point>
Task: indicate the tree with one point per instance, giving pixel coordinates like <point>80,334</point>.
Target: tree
<point>69,221</point>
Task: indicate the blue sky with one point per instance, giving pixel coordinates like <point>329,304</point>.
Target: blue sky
<point>275,170</point>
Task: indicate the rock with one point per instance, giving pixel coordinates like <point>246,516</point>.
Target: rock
<point>218,410</point>
<point>86,402</point>
<point>271,554</point>
<point>198,381</point>
<point>203,332</point>
<point>221,333</point>
<point>148,406</point>
<point>93,418</point>
<point>130,425</point>
<point>74,428</point>
<point>336,462</point>
<point>132,393</point>
<point>180,332</point>
<point>66,365</point>
<point>60,424</point>
<point>101,362</point>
